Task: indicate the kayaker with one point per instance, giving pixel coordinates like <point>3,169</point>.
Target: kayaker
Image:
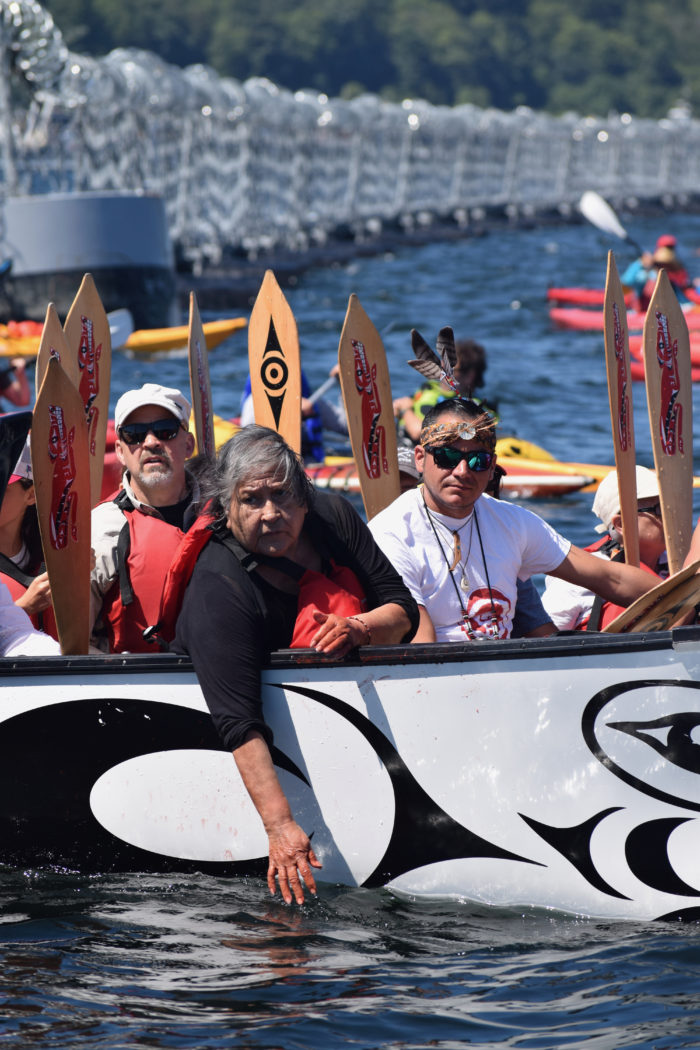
<point>21,556</point>
<point>137,533</point>
<point>14,385</point>
<point>284,566</point>
<point>461,552</point>
<point>468,373</point>
<point>317,416</point>
<point>641,275</point>
<point>575,608</point>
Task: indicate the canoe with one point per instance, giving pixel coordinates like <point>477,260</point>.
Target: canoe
<point>554,773</point>
<point>582,296</point>
<point>142,341</point>
<point>593,320</point>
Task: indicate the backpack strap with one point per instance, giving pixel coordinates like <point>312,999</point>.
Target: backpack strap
<point>8,568</point>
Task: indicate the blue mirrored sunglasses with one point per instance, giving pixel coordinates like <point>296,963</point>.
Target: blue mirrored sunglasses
<point>447,458</point>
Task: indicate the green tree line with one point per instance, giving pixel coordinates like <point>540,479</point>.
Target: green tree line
<point>592,56</point>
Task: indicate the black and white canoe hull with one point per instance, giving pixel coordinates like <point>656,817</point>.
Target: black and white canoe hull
<point>560,773</point>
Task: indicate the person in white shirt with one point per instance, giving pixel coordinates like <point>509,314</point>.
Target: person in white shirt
<point>460,552</point>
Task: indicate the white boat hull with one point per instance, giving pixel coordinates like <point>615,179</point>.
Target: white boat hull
<point>559,773</point>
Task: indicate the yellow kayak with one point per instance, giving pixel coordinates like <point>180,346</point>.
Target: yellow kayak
<point>142,341</point>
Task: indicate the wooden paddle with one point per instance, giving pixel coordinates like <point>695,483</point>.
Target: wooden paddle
<point>669,399</point>
<point>665,606</point>
<point>275,367</point>
<point>89,339</point>
<point>364,380</point>
<point>200,385</point>
<point>61,469</point>
<point>617,362</point>
<point>53,344</point>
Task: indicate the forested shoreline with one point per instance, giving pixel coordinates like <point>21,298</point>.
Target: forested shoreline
<point>592,58</point>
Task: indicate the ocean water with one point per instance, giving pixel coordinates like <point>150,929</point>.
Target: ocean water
<point>188,962</point>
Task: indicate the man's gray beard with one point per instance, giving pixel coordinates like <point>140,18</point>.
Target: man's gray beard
<point>155,478</point>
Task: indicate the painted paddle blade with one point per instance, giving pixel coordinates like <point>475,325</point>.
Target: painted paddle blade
<point>200,385</point>
<point>88,338</point>
<point>364,379</point>
<point>617,363</point>
<point>665,606</point>
<point>275,367</point>
<point>14,427</point>
<point>667,371</point>
<point>61,468</point>
<point>53,344</point>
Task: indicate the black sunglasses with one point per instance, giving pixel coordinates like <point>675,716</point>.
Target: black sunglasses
<point>655,509</point>
<point>448,458</point>
<point>162,430</point>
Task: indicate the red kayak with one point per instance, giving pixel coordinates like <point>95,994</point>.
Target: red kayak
<point>594,320</point>
<point>582,296</point>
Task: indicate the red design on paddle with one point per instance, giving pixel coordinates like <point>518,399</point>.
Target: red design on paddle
<point>89,386</point>
<point>373,435</point>
<point>64,502</point>
<point>623,401</point>
<point>671,414</point>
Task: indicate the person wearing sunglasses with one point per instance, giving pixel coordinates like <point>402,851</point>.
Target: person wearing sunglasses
<point>575,608</point>
<point>461,552</point>
<point>137,533</point>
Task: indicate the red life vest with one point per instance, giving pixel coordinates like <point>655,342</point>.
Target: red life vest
<point>15,581</point>
<point>339,592</point>
<point>605,612</point>
<point>146,548</point>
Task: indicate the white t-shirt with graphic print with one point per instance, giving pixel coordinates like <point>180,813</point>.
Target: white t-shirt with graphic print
<point>477,599</point>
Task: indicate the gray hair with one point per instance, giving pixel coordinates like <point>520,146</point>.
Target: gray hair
<point>252,452</point>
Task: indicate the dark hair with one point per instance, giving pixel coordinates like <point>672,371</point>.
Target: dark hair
<point>29,531</point>
<point>254,451</point>
<point>471,356</point>
<point>468,411</point>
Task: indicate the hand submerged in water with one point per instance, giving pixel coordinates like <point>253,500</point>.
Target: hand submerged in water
<point>291,856</point>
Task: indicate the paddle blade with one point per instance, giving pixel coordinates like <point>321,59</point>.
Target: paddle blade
<point>275,367</point>
<point>617,363</point>
<point>364,379</point>
<point>200,385</point>
<point>53,344</point>
<point>60,465</point>
<point>89,340</point>
<point>665,606</point>
<point>667,371</point>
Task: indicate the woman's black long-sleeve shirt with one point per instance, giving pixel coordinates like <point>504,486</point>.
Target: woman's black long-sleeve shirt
<point>232,619</point>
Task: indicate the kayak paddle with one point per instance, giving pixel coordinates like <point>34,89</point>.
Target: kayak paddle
<point>600,214</point>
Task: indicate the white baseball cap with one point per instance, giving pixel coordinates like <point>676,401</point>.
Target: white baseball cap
<point>607,499</point>
<point>23,466</point>
<point>166,397</point>
<point>407,461</point>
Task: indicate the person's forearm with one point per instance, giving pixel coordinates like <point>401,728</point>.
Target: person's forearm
<point>625,584</point>
<point>388,624</point>
<point>254,763</point>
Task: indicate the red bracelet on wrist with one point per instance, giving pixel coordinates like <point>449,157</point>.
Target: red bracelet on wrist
<point>367,629</point>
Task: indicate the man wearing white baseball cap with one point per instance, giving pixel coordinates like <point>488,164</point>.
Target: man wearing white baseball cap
<point>137,534</point>
<point>574,608</point>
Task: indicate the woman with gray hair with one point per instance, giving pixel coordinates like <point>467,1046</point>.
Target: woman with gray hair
<point>284,567</point>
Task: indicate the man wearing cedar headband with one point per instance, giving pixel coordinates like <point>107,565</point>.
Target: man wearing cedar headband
<point>461,552</point>
<point>137,533</point>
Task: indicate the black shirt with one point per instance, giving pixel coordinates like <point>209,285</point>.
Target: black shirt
<point>232,619</point>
